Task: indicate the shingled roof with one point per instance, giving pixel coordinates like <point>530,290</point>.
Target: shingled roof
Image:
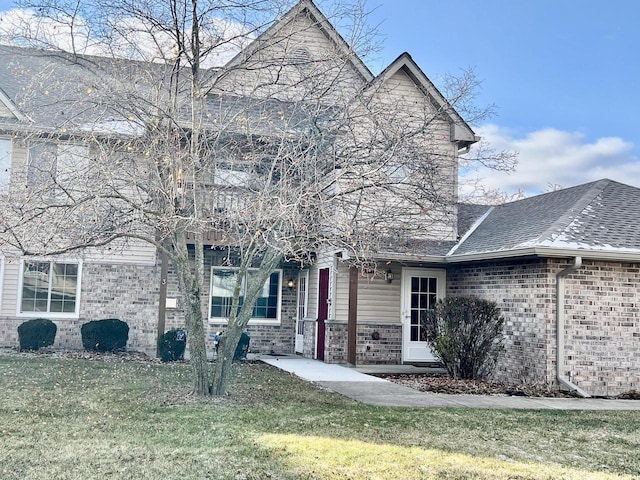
<point>57,90</point>
<point>599,217</point>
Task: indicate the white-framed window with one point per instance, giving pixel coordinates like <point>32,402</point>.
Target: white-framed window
<point>303,295</point>
<point>5,164</point>
<point>49,287</point>
<point>223,281</point>
<point>55,163</point>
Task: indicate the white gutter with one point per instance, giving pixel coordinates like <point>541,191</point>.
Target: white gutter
<point>613,255</point>
<point>560,317</point>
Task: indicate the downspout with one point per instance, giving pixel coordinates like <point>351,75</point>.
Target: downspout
<point>560,317</point>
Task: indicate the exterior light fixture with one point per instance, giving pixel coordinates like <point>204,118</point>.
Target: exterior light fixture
<point>388,276</point>
<point>291,283</point>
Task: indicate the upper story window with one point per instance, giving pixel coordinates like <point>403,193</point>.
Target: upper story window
<point>223,281</point>
<point>49,287</point>
<point>5,164</point>
<point>53,164</point>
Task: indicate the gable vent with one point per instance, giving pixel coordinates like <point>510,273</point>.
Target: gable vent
<point>300,55</point>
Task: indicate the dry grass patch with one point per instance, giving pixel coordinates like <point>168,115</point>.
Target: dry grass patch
<point>63,419</point>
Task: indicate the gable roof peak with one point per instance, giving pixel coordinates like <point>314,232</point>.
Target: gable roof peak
<point>461,132</point>
<point>309,7</point>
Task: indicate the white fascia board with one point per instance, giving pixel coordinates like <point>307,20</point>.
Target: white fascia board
<point>409,257</point>
<point>6,101</point>
<point>547,252</point>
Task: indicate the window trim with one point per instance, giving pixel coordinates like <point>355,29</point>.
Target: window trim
<point>8,186</point>
<point>54,315</point>
<point>252,320</point>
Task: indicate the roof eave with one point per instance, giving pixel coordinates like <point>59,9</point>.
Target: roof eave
<point>549,252</point>
<point>411,257</point>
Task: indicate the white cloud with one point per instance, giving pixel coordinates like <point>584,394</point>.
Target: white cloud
<point>19,24</point>
<point>130,37</point>
<point>550,157</point>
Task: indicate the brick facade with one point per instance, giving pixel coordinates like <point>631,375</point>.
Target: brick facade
<point>385,349</point>
<point>603,327</point>
<point>126,292</point>
<point>265,338</point>
<point>132,292</point>
<point>602,339</point>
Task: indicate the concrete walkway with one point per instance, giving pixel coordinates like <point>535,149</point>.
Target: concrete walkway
<point>377,391</point>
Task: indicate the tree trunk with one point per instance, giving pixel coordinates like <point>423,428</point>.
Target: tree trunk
<point>237,323</point>
<point>224,362</point>
<point>197,345</point>
<point>190,286</point>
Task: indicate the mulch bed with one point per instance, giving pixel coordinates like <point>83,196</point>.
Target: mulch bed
<point>443,384</point>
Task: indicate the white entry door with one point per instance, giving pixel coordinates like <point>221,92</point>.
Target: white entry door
<point>301,310</point>
<point>421,287</point>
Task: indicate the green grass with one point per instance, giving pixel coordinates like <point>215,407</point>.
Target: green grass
<point>80,419</point>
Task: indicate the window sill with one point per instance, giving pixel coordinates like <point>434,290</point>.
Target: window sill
<point>50,316</point>
<point>253,321</point>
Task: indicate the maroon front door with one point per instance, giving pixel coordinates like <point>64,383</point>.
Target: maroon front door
<point>323,310</point>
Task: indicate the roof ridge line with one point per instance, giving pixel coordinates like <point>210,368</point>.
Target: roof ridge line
<point>575,210</point>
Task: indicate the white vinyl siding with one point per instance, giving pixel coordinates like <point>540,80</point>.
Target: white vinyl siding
<point>5,111</point>
<point>10,287</point>
<point>341,293</point>
<point>379,301</point>
<point>276,69</point>
<point>51,164</point>
<point>131,251</point>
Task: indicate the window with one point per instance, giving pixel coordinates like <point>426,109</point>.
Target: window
<point>223,281</point>
<point>5,164</point>
<point>49,287</point>
<point>51,163</point>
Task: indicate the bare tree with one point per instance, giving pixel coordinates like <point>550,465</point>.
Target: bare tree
<point>287,147</point>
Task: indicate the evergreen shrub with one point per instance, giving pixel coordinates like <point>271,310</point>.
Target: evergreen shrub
<point>171,345</point>
<point>108,335</point>
<point>37,333</point>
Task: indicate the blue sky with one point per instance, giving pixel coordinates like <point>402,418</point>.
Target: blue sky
<point>563,75</point>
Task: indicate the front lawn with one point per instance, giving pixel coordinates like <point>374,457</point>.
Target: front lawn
<point>80,419</point>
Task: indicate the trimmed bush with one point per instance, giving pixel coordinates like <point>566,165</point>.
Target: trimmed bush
<point>109,335</point>
<point>37,333</point>
<point>465,333</point>
<point>243,347</point>
<point>171,345</point>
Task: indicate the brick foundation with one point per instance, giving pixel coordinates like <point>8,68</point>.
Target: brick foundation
<point>386,349</point>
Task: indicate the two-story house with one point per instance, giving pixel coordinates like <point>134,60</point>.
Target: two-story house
<point>563,266</point>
